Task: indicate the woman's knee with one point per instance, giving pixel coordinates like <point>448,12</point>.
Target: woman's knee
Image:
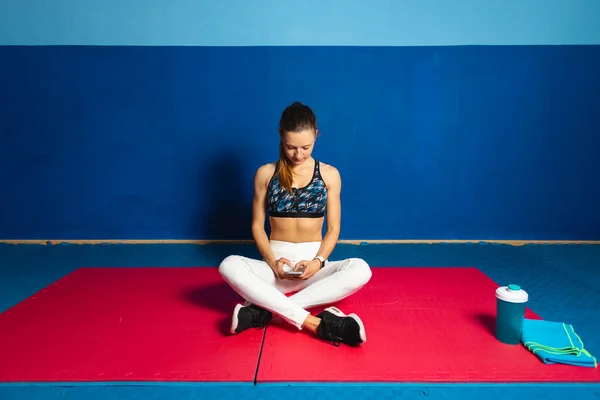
<point>229,266</point>
<point>361,271</point>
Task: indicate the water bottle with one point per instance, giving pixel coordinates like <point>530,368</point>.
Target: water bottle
<point>511,302</point>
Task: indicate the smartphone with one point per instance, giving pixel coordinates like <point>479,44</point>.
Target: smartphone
<point>290,271</point>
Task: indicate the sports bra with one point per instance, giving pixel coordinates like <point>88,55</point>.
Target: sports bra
<point>309,201</point>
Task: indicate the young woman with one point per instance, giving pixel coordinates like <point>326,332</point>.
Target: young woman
<point>298,193</point>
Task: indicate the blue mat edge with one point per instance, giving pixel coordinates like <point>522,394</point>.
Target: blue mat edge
<point>191,390</point>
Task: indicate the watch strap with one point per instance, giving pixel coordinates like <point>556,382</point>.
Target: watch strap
<point>321,259</point>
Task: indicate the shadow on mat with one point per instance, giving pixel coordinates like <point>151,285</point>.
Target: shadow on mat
<point>488,321</point>
<point>215,297</point>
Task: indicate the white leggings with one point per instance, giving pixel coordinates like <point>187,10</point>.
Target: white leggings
<point>256,282</point>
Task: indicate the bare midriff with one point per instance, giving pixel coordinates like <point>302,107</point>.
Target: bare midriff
<point>296,230</point>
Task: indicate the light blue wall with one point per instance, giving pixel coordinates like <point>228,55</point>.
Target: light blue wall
<point>295,23</point>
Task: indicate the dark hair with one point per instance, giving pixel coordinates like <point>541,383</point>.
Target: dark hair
<point>295,118</point>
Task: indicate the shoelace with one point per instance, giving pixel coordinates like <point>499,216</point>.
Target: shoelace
<point>260,318</point>
<point>334,327</point>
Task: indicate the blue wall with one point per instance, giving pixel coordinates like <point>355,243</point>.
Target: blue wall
<point>152,129</point>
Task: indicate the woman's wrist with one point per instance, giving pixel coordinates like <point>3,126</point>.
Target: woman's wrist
<point>320,260</point>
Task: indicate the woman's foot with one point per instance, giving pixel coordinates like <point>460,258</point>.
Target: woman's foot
<point>249,316</point>
<point>337,327</point>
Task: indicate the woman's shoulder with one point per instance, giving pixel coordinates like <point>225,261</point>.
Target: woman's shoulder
<point>329,172</point>
<point>265,171</point>
<point>266,168</point>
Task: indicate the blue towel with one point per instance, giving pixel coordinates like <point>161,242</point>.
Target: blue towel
<point>556,343</point>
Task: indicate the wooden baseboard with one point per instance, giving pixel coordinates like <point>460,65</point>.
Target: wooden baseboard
<point>347,241</point>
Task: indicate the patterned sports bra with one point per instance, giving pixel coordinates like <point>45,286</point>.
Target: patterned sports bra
<point>309,201</point>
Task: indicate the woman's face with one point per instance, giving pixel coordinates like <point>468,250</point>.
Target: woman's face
<point>298,146</point>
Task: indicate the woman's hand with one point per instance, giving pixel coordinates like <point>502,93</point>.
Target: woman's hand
<point>310,268</point>
<point>278,268</point>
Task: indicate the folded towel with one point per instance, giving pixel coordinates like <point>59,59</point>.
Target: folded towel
<point>555,343</point>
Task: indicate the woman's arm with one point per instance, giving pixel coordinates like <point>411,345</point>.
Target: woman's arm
<point>259,234</point>
<point>332,178</point>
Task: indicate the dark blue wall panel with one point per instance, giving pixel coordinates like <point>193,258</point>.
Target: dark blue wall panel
<point>473,142</point>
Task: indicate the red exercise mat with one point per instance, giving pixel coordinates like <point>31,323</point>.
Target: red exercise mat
<point>422,325</point>
<point>128,324</point>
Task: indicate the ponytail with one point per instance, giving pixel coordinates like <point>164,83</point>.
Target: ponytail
<point>286,174</point>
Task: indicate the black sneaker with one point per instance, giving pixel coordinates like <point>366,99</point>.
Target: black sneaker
<point>249,316</point>
<point>337,327</point>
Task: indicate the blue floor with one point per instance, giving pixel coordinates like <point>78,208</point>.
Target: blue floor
<point>563,282</point>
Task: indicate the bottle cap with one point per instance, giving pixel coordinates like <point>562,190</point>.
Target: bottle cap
<point>512,294</point>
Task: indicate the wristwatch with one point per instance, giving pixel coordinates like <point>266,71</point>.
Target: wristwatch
<point>320,259</point>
